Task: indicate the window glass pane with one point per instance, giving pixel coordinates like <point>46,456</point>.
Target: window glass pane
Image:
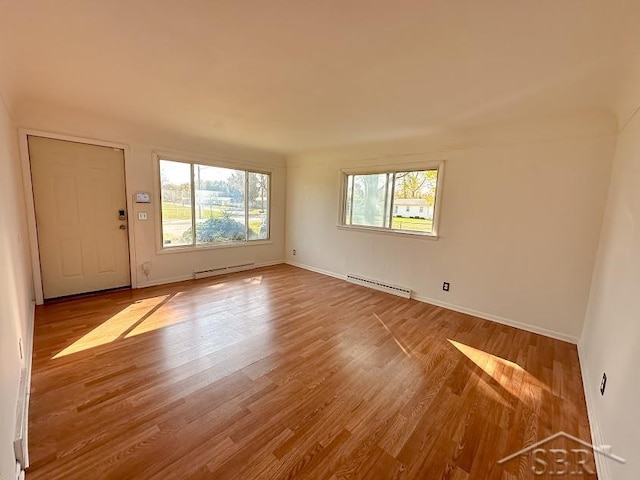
<point>220,209</point>
<point>414,200</point>
<point>175,196</point>
<point>258,206</point>
<point>368,200</point>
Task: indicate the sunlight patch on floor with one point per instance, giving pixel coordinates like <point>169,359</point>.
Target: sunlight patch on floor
<point>161,318</point>
<point>114,327</point>
<point>510,376</point>
<point>181,312</point>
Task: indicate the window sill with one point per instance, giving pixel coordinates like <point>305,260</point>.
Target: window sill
<point>198,248</point>
<point>388,231</point>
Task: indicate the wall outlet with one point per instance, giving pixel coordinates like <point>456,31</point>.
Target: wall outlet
<point>294,252</point>
<point>603,384</point>
<point>445,286</point>
<point>142,216</point>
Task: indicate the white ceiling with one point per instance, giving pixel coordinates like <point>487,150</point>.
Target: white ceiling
<point>291,75</point>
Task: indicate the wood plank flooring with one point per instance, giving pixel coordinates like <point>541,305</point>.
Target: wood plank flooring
<point>284,373</point>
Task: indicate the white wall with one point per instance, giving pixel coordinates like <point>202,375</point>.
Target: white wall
<point>520,218</point>
<point>16,291</point>
<point>141,176</point>
<point>611,338</point>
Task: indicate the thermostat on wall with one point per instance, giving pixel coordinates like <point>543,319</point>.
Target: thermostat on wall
<point>143,197</point>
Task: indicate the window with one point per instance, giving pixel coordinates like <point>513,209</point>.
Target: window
<point>398,201</point>
<point>221,205</point>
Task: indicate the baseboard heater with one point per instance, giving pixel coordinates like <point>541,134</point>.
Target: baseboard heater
<point>377,285</point>
<point>21,441</point>
<point>212,272</point>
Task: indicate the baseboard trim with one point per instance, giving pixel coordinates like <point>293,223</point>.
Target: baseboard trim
<point>163,281</point>
<point>498,319</point>
<point>457,308</point>
<point>316,270</point>
<point>182,278</point>
<point>29,355</point>
<point>597,438</point>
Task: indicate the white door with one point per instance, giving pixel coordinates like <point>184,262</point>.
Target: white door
<point>79,194</point>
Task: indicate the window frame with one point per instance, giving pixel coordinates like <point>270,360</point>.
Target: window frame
<point>193,160</point>
<point>392,169</point>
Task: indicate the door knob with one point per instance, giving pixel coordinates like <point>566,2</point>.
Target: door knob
<point>123,227</point>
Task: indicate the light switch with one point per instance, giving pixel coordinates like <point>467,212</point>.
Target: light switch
<point>142,216</point>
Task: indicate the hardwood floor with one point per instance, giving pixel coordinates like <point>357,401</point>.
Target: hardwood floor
<point>285,373</point>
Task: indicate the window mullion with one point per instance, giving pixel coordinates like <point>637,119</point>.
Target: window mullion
<point>193,206</point>
<point>344,200</point>
<point>353,194</point>
<point>246,205</point>
<point>386,199</point>
<point>393,193</point>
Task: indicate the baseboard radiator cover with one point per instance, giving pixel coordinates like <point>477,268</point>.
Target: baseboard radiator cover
<point>212,272</point>
<point>19,472</point>
<point>21,440</point>
<point>378,285</point>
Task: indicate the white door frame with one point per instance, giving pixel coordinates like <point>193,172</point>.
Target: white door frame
<point>23,134</point>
